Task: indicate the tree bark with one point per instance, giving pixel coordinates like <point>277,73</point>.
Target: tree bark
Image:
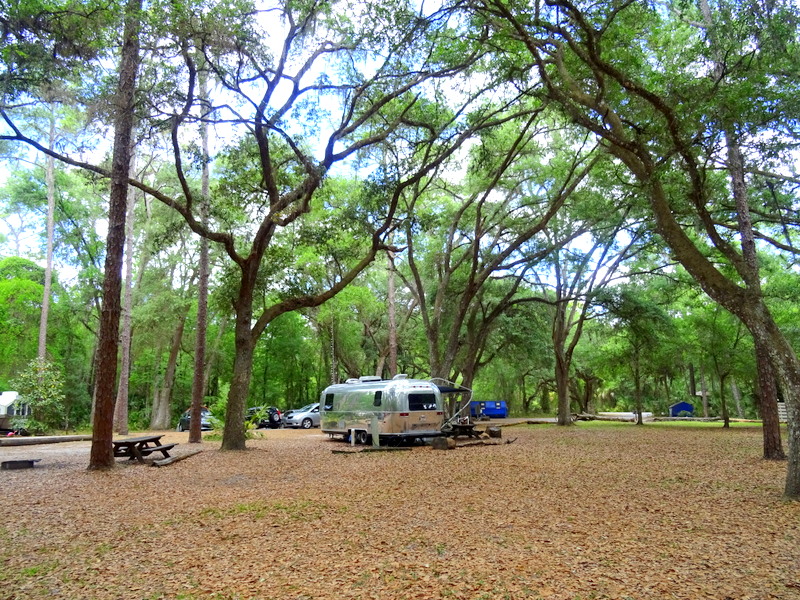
<point>736,393</point>
<point>162,414</point>
<point>234,436</point>
<point>704,392</point>
<point>101,455</point>
<point>198,389</point>
<point>637,386</point>
<point>51,209</point>
<point>768,404</point>
<point>723,403</point>
<point>121,405</point>
<point>559,336</point>
<point>392,314</point>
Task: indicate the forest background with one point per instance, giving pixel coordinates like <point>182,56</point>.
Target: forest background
<point>566,206</point>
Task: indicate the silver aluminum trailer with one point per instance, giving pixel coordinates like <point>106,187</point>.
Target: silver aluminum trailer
<point>394,410</point>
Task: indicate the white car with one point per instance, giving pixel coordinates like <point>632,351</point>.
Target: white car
<point>306,417</point>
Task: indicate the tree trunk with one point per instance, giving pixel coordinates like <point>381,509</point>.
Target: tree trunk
<point>704,392</point>
<point>768,404</point>
<point>381,365</point>
<point>544,400</point>
<point>526,402</point>
<point>786,367</point>
<point>667,392</point>
<point>723,403</point>
<point>155,385</point>
<point>392,315</point>
<point>637,387</point>
<point>121,405</point>
<point>162,413</point>
<point>736,393</point>
<point>101,455</point>
<point>198,389</point>
<point>51,209</point>
<point>233,438</point>
<point>561,362</point>
<point>562,390</point>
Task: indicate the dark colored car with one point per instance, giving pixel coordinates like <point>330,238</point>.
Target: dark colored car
<point>205,420</point>
<point>268,416</point>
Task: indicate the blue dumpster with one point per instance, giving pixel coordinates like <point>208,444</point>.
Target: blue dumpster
<point>495,409</point>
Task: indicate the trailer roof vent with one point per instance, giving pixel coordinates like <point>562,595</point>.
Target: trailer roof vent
<point>352,380</point>
<point>366,378</point>
<point>400,376</point>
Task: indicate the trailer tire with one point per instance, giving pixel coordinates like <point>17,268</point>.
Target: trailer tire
<point>362,437</point>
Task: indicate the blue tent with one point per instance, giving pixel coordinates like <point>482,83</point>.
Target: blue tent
<point>677,409</point>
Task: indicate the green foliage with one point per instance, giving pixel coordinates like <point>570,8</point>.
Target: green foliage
<point>15,267</point>
<point>284,364</point>
<point>20,309</point>
<point>41,389</point>
<point>218,403</point>
<point>46,40</point>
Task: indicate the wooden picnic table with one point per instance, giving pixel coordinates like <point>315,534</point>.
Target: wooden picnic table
<point>466,429</point>
<point>136,448</point>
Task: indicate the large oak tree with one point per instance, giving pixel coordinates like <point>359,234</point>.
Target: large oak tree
<point>649,84</point>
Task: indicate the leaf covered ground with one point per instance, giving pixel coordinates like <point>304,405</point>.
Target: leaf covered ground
<point>610,511</point>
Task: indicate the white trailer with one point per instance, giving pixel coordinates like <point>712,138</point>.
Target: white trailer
<point>394,410</point>
<point>7,411</point>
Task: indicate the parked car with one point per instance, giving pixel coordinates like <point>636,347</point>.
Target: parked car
<point>306,417</point>
<point>265,416</point>
<point>205,420</point>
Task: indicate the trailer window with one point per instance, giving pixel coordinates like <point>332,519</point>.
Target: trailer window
<point>422,401</point>
<point>329,401</point>
<point>377,401</point>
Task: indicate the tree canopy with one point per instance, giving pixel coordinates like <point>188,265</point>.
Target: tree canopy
<point>544,201</point>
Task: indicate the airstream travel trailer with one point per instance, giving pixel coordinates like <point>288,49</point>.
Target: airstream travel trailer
<point>395,410</point>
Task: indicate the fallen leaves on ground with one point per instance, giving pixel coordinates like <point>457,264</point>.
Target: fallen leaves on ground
<point>585,512</point>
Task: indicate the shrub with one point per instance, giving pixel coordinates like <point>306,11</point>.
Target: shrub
<point>41,389</point>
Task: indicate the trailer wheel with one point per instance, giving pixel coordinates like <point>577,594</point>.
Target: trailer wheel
<point>362,437</point>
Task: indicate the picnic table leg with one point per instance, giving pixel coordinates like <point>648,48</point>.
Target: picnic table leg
<point>137,454</point>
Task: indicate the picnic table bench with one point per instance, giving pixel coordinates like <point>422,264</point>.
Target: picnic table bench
<point>137,448</point>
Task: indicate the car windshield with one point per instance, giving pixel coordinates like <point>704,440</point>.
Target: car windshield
<point>306,408</point>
